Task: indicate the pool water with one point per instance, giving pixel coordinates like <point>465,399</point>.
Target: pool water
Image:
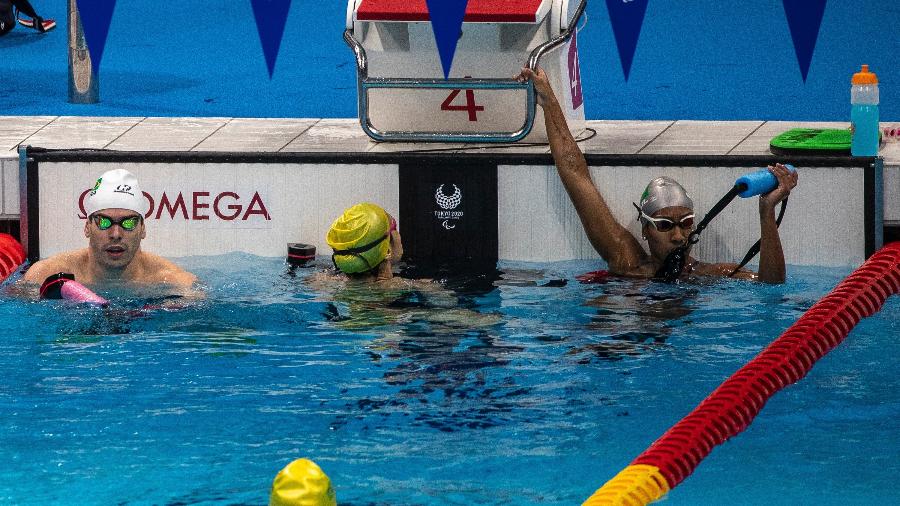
<point>518,387</point>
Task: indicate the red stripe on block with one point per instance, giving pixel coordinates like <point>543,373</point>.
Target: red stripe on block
<point>477,11</point>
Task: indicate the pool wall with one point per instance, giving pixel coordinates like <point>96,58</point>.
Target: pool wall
<point>9,188</point>
<point>495,206</point>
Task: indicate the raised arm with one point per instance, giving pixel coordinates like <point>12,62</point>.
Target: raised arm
<point>771,255</point>
<point>612,241</point>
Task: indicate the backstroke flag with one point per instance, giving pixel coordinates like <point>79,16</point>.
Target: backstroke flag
<point>446,23</point>
<point>804,19</point>
<point>627,17</point>
<point>95,19</point>
<point>271,16</point>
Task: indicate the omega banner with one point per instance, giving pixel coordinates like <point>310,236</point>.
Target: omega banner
<point>215,208</point>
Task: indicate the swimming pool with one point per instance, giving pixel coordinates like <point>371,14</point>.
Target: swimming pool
<point>520,387</point>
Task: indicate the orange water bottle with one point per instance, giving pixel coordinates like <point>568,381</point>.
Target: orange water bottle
<point>864,113</point>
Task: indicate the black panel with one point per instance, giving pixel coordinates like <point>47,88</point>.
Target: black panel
<point>869,210</point>
<point>30,205</point>
<point>10,227</point>
<point>448,211</point>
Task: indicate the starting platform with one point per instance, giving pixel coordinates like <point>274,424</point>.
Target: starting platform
<point>402,92</point>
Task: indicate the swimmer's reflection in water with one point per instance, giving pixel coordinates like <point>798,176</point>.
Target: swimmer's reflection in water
<point>637,317</point>
<point>436,348</point>
<point>436,353</point>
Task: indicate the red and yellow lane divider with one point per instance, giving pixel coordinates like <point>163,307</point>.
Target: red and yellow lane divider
<point>636,485</point>
<point>731,407</point>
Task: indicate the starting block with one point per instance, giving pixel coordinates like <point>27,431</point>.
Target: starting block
<point>403,95</point>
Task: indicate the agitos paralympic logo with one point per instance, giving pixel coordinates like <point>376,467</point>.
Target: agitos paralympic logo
<point>448,203</point>
<point>198,206</point>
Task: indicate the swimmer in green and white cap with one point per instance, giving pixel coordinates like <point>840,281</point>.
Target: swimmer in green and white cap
<point>665,211</point>
<point>115,209</point>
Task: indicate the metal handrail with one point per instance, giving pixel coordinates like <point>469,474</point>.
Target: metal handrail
<point>365,83</point>
<point>539,51</point>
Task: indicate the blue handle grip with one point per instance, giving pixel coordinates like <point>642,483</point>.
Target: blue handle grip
<point>759,182</point>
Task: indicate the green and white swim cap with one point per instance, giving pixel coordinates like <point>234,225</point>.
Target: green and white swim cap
<point>116,189</point>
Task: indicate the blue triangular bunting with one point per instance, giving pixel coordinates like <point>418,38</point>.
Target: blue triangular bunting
<point>95,19</point>
<point>271,16</point>
<point>804,18</point>
<point>627,18</point>
<point>446,23</point>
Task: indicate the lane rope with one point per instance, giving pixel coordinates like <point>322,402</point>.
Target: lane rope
<point>731,407</point>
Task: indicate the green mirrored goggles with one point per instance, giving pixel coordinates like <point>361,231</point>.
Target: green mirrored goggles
<point>128,223</point>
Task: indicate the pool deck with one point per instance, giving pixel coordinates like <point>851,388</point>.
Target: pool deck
<point>289,135</point>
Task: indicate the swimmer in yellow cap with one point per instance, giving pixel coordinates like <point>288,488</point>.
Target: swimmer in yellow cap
<point>366,242</point>
<point>302,483</point>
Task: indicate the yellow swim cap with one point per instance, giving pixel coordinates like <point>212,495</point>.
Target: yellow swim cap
<point>302,483</point>
<point>359,238</point>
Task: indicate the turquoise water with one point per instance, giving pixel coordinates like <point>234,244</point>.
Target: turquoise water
<point>865,134</point>
<point>522,387</point>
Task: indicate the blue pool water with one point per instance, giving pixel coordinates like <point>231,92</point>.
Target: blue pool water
<point>513,390</point>
<point>703,59</point>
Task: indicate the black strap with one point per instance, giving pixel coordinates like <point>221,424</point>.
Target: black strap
<point>752,252</point>
<point>356,252</point>
<point>716,209</point>
<point>359,249</point>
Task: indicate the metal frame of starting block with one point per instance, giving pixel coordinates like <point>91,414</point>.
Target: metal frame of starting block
<point>365,83</point>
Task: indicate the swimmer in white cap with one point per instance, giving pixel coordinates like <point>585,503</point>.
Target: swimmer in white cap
<point>666,212</point>
<point>115,227</point>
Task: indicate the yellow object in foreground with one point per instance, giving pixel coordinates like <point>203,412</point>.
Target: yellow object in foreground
<point>302,483</point>
<point>635,486</point>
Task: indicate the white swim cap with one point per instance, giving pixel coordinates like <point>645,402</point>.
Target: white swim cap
<point>664,192</point>
<point>116,189</point>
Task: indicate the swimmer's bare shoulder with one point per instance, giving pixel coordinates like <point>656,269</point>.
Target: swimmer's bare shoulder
<point>331,280</point>
<point>157,269</point>
<point>722,270</point>
<point>324,280</point>
<point>71,261</point>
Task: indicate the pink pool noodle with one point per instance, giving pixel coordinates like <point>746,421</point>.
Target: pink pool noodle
<point>64,286</point>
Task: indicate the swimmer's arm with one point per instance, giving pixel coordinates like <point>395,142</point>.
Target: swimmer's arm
<point>184,284</point>
<point>612,241</point>
<point>62,262</point>
<point>176,280</point>
<point>35,274</point>
<point>28,286</point>
<point>771,253</point>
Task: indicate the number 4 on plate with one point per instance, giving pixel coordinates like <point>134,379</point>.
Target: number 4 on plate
<point>471,107</point>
